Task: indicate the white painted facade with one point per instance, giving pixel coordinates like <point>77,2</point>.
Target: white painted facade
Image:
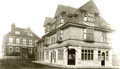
<point>73,49</point>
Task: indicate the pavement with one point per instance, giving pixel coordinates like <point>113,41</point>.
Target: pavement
<point>76,67</point>
<point>25,64</point>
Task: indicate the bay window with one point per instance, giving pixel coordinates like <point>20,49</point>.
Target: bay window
<point>88,34</point>
<point>59,36</point>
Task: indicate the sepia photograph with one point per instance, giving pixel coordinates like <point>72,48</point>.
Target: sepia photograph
<point>59,34</point>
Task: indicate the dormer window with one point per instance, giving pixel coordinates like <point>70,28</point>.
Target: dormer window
<point>47,28</point>
<point>30,34</point>
<point>89,18</point>
<point>61,20</point>
<point>17,32</point>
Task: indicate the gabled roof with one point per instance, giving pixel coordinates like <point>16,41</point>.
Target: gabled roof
<point>90,6</point>
<point>67,9</point>
<point>48,20</point>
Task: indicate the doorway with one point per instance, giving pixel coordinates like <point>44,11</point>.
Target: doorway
<point>24,53</point>
<point>103,59</point>
<point>71,56</point>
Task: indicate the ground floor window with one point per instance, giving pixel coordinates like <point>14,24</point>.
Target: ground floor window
<point>40,55</point>
<point>47,54</point>
<point>99,55</point>
<point>87,54</point>
<point>17,49</point>
<point>30,50</point>
<point>10,49</point>
<point>107,55</point>
<point>60,54</point>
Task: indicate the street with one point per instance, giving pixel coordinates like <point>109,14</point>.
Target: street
<point>25,64</point>
<point>22,64</point>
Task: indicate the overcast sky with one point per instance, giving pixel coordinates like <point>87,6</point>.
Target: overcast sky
<point>32,13</point>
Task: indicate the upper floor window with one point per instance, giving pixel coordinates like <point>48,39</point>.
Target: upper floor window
<point>53,40</point>
<point>17,32</point>
<point>60,35</point>
<point>88,34</point>
<point>17,41</point>
<point>30,42</point>
<point>104,37</point>
<point>11,40</point>
<point>24,41</point>
<point>89,18</point>
<point>46,41</point>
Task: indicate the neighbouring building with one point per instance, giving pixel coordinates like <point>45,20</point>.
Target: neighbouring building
<point>77,37</point>
<point>20,43</point>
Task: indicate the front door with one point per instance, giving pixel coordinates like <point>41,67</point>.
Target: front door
<point>103,59</point>
<point>71,56</point>
<point>24,53</point>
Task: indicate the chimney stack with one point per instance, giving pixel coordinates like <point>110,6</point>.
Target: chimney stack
<point>12,27</point>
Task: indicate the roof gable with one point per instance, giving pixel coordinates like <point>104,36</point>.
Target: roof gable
<point>90,6</point>
<point>48,20</point>
<point>67,9</point>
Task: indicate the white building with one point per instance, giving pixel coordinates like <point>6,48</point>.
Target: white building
<point>76,36</point>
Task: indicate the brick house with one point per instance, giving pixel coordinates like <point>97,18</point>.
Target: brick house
<point>76,36</point>
<point>19,43</point>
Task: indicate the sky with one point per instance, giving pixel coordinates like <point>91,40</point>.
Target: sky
<point>32,13</point>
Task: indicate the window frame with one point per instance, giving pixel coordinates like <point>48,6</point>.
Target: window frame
<point>18,49</point>
<point>17,32</point>
<point>24,41</point>
<point>17,40</point>
<point>87,33</point>
<point>10,51</point>
<point>104,37</point>
<point>30,42</point>
<point>60,54</point>
<point>87,54</point>
<point>10,40</point>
